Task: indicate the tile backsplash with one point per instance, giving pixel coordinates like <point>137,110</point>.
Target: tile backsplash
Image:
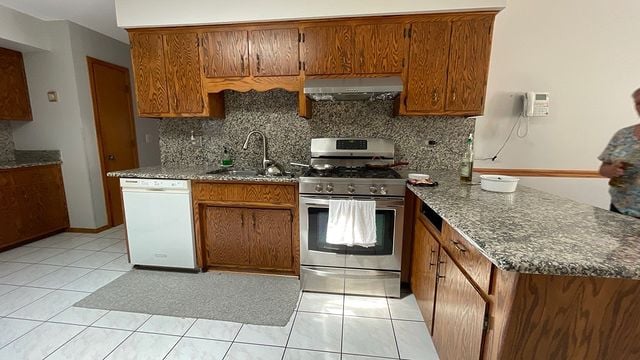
<point>289,136</point>
<point>6,142</point>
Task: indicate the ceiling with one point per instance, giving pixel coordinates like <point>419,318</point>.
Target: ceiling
<point>98,15</point>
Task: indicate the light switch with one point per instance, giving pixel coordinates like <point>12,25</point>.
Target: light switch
<point>52,96</point>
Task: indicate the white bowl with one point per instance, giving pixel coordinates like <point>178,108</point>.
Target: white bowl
<point>419,176</point>
<point>498,183</point>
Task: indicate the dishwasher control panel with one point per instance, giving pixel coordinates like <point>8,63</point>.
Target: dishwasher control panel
<point>168,184</point>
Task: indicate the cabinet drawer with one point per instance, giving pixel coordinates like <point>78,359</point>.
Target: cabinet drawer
<point>245,193</point>
<point>470,259</point>
<point>36,174</point>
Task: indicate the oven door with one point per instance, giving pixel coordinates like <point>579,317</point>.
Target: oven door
<point>314,249</point>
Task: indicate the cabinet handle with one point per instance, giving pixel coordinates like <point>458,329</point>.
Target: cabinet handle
<point>453,96</point>
<point>253,220</point>
<point>258,65</point>
<point>242,64</point>
<point>432,262</point>
<point>435,96</point>
<point>458,246</point>
<point>440,271</point>
<point>242,219</point>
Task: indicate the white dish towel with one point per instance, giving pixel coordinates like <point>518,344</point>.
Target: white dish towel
<point>352,223</point>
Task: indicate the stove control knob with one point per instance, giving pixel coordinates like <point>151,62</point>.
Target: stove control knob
<point>351,189</point>
<point>373,189</point>
<point>383,190</point>
<point>318,188</point>
<point>329,188</point>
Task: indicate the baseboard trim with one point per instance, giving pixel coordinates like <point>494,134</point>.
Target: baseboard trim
<point>88,230</point>
<point>559,173</point>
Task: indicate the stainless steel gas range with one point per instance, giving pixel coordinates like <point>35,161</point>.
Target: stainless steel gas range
<point>355,169</point>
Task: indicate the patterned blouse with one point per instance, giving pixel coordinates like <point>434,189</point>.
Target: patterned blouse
<point>625,146</point>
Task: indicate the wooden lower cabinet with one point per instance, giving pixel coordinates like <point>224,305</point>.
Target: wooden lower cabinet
<point>424,266</point>
<point>247,227</point>
<point>459,317</point>
<point>32,204</point>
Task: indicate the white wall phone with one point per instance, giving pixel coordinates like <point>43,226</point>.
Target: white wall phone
<point>536,104</point>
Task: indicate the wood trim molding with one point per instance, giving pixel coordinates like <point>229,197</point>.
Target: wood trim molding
<point>88,230</point>
<point>560,173</point>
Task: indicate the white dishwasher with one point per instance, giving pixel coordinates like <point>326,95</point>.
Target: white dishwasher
<point>159,221</point>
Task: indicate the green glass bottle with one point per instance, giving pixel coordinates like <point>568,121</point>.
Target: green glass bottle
<point>466,164</point>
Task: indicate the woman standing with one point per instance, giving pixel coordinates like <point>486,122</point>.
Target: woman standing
<point>621,163</point>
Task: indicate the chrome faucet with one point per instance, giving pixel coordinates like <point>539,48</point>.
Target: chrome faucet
<point>265,162</point>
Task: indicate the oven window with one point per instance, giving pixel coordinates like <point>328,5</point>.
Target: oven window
<point>317,236</point>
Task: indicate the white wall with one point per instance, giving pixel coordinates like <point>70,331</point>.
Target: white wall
<point>22,32</point>
<point>68,124</point>
<point>143,13</point>
<point>586,53</point>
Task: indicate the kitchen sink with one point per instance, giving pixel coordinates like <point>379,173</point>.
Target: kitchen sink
<point>236,172</point>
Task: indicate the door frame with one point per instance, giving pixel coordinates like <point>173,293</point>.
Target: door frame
<point>96,117</point>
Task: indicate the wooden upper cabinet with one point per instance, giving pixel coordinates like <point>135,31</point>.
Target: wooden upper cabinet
<point>379,48</point>
<point>469,63</point>
<point>328,50</point>
<point>426,81</point>
<point>458,322</point>
<point>14,94</point>
<point>225,53</point>
<point>274,52</point>
<point>147,55</point>
<point>183,73</point>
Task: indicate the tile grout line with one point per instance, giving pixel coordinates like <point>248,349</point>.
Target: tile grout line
<point>293,323</point>
<point>180,338</point>
<point>393,328</point>
<point>233,341</point>
<point>128,336</point>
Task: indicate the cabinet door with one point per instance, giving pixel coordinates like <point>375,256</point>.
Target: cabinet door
<point>274,52</point>
<point>183,73</point>
<point>14,95</point>
<point>328,50</point>
<point>225,53</point>
<point>271,238</point>
<point>423,271</point>
<point>225,236</point>
<point>147,56</point>
<point>458,322</point>
<point>379,48</point>
<point>428,62</point>
<point>469,63</point>
<point>9,211</point>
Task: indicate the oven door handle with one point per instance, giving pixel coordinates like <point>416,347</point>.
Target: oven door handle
<point>377,276</point>
<point>380,203</point>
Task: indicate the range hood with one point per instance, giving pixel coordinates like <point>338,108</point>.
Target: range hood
<point>381,88</point>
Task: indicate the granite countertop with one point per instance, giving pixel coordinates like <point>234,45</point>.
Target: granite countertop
<point>29,158</point>
<point>15,164</point>
<point>194,173</point>
<point>530,231</point>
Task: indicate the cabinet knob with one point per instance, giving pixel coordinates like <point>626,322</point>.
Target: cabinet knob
<point>111,157</point>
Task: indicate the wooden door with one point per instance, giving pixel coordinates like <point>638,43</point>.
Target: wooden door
<point>469,63</point>
<point>458,323</point>
<point>115,129</point>
<point>183,73</point>
<point>274,52</point>
<point>225,53</point>
<point>147,57</point>
<point>14,94</point>
<point>328,50</point>
<point>225,236</point>
<point>424,271</point>
<point>271,238</point>
<point>379,48</point>
<point>427,68</point>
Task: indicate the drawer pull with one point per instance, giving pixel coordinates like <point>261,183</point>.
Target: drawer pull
<point>458,246</point>
<point>441,269</point>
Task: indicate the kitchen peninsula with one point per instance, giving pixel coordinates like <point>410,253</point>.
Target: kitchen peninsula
<point>524,275</point>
